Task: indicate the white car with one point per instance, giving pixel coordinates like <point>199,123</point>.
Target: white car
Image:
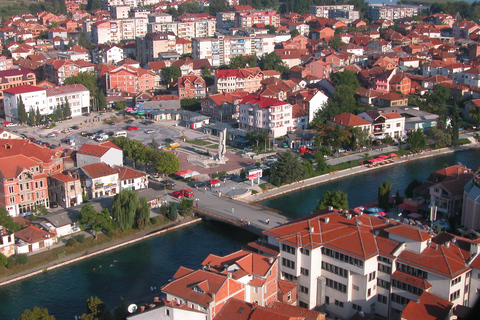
<point>11,124</point>
<point>150,131</point>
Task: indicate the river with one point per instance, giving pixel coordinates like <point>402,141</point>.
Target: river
<point>132,272</point>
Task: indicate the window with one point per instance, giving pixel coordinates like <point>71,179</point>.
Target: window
<point>303,289</point>
<point>10,189</point>
<point>455,295</point>
<point>356,288</point>
<point>413,271</point>
<point>356,307</point>
<point>288,249</point>
<point>327,300</point>
<point>288,276</point>
<point>342,257</point>
<point>383,284</point>
<point>302,304</point>
<point>304,271</point>
<point>406,287</point>
<point>305,251</point>
<point>384,268</point>
<point>381,299</point>
<point>167,312</point>
<point>399,299</point>
<point>369,292</point>
<point>456,280</point>
<point>336,285</point>
<point>339,303</point>
<point>289,296</point>
<point>255,289</point>
<point>334,269</point>
<point>288,263</point>
<point>371,276</point>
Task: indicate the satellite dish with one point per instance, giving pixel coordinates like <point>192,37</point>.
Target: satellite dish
<point>132,308</point>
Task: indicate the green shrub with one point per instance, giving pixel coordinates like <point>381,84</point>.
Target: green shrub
<point>70,242</point>
<point>80,238</point>
<point>3,260</point>
<point>21,258</point>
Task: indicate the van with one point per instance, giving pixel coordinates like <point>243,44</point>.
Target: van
<point>120,134</point>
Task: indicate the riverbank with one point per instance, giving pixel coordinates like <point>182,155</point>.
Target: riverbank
<point>100,249</point>
<point>351,171</point>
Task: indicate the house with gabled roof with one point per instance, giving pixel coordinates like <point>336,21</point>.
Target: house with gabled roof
<point>245,79</point>
<point>65,189</point>
<point>203,290</point>
<point>106,152</point>
<point>99,179</point>
<point>131,179</point>
<point>222,107</point>
<point>190,87</point>
<point>348,119</point>
<point>32,238</point>
<point>385,123</point>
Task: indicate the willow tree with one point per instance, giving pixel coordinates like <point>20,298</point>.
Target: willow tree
<point>384,194</point>
<point>142,215</point>
<point>124,207</point>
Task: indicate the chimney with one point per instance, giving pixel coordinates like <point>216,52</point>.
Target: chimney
<point>327,220</point>
<point>349,216</point>
<point>330,208</point>
<point>447,244</point>
<point>270,260</point>
<point>310,229</point>
<point>436,247</point>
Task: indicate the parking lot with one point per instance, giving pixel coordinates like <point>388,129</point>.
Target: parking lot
<point>90,124</point>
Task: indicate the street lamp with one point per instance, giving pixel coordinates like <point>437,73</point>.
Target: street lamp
<point>233,193</point>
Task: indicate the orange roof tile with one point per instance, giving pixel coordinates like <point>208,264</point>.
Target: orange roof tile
<point>428,307</point>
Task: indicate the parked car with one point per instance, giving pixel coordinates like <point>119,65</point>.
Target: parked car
<point>271,159</point>
<point>53,205</point>
<point>83,133</point>
<point>100,115</point>
<point>23,135</point>
<point>111,123</point>
<point>75,127</point>
<point>32,139</point>
<point>188,193</point>
<point>150,131</point>
<point>9,124</point>
<point>67,130</point>
<point>129,121</point>
<point>168,140</point>
<point>169,184</point>
<point>198,184</point>
<point>178,194</point>
<point>52,134</point>
<point>131,128</point>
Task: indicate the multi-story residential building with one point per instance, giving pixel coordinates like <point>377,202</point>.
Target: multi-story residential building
<point>248,18</point>
<point>222,107</point>
<point>246,79</point>
<point>152,45</point>
<point>57,70</point>
<point>23,184</point>
<point>471,208</point>
<point>5,63</point>
<point>32,97</point>
<point>14,78</point>
<point>114,31</point>
<point>221,49</point>
<point>107,4</point>
<point>201,28</point>
<point>271,115</point>
<point>348,119</point>
<point>108,54</point>
<point>324,11</point>
<point>65,190</point>
<point>105,152</point>
<point>385,123</point>
<point>130,79</point>
<point>130,179</point>
<point>75,53</point>
<point>77,95</point>
<point>99,179</point>
<point>119,12</point>
<point>464,29</point>
<point>382,11</point>
<point>310,100</point>
<point>191,87</point>
<point>345,14</point>
<point>370,264</point>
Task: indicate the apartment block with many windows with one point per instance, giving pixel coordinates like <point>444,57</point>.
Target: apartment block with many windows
<point>347,263</point>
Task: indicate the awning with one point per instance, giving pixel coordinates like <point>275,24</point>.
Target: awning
<point>408,207</point>
<point>213,182</point>
<point>185,174</point>
<point>383,156</point>
<point>375,160</point>
<point>415,215</point>
<point>374,210</point>
<point>393,155</point>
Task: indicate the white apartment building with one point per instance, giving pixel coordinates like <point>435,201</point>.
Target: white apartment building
<point>271,115</point>
<point>189,29</point>
<point>32,97</point>
<point>77,95</point>
<point>346,263</point>
<point>105,152</point>
<point>99,179</point>
<point>382,11</point>
<point>109,54</point>
<point>221,49</point>
<point>159,17</point>
<point>385,123</point>
<point>323,11</point>
<point>107,4</point>
<point>113,31</point>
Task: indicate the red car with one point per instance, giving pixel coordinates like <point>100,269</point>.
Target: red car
<point>132,128</point>
<point>178,194</point>
<point>188,193</point>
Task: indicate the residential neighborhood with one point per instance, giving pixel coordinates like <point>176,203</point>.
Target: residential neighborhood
<point>130,115</point>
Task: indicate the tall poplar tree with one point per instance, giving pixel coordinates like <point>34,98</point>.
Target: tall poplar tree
<point>22,113</point>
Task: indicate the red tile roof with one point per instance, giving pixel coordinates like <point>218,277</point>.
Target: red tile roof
<point>263,102</point>
<point>32,234</point>
<point>125,173</point>
<point>428,307</point>
<point>349,119</point>
<point>409,232</point>
<point>11,167</point>
<point>23,89</point>
<point>62,177</point>
<point>412,280</point>
<point>68,88</point>
<point>97,150</point>
<point>98,170</point>
<point>25,147</point>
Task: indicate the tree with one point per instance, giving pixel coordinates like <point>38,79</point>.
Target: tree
<point>102,101</point>
<point>437,99</point>
<point>31,118</point>
<point>185,206</point>
<point>439,137</point>
<point>36,314</point>
<point>237,62</point>
<point>384,195</point>
<point>7,221</point>
<point>67,112</point>
<point>335,43</point>
<point>22,114</point>
<point>287,169</point>
<point>96,310</point>
<point>191,104</point>
<point>307,169</point>
<point>142,215</point>
<point>172,211</point>
<point>120,105</point>
<point>124,208</point>
<point>171,74</point>
<point>271,61</point>
<point>271,29</point>
<point>360,138</point>
<point>333,135</point>
<point>166,162</point>
<point>3,260</point>
<point>294,32</point>
<point>334,198</point>
<point>417,140</point>
<point>347,77</point>
<point>89,217</point>
<point>257,137</point>
<point>87,79</point>
<point>409,191</point>
<point>38,117</point>
<point>93,5</point>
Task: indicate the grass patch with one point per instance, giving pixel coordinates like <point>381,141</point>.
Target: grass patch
<point>266,186</point>
<point>212,146</point>
<point>463,141</point>
<point>254,191</point>
<point>200,142</point>
<point>39,259</point>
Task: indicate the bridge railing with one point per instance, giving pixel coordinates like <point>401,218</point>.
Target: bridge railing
<point>238,223</point>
